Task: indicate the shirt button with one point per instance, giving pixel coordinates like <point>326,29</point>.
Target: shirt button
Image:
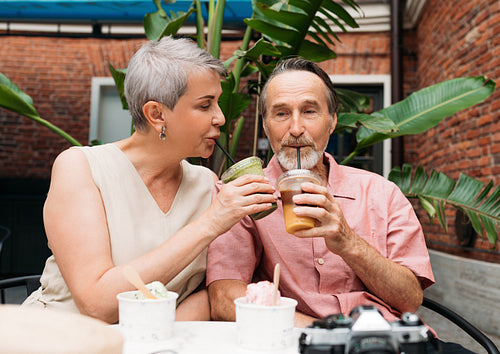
<point>321,261</point>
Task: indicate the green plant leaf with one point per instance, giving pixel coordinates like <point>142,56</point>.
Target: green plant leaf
<point>352,120</point>
<point>119,79</point>
<point>426,108</point>
<point>467,194</point>
<point>158,24</point>
<point>341,13</point>
<point>324,30</point>
<point>232,103</point>
<point>216,17</point>
<point>261,47</point>
<point>315,52</point>
<point>288,23</point>
<point>238,128</point>
<point>272,32</point>
<point>14,99</point>
<point>294,19</point>
<point>351,102</point>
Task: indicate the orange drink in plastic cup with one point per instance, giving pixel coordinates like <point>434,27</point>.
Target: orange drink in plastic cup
<point>289,184</point>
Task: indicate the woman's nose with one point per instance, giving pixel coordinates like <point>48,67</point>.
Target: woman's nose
<point>218,118</point>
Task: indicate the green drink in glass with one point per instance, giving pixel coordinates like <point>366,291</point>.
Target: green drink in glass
<point>250,166</point>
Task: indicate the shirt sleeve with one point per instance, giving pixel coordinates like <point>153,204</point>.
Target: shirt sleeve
<point>234,254</point>
<point>405,238</point>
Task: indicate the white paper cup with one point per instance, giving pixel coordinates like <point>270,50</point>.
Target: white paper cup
<point>148,320</point>
<point>265,327</point>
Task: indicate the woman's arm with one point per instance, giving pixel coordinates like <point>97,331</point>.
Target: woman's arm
<point>76,227</point>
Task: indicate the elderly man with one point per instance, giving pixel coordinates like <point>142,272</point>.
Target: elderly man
<point>367,246</point>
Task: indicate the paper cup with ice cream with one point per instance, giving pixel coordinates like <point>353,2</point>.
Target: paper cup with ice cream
<point>260,325</point>
<point>147,320</point>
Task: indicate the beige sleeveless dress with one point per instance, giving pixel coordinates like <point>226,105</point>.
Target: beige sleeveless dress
<point>136,224</point>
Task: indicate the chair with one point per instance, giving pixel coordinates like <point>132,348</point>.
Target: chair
<point>461,322</point>
<point>30,282</point>
<point>4,235</point>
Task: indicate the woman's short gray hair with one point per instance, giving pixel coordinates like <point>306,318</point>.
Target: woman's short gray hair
<point>158,72</point>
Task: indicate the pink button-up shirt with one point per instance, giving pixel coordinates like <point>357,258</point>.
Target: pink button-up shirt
<point>321,282</point>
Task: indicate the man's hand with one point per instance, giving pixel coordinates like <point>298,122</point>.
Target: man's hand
<point>395,284</point>
<point>317,203</point>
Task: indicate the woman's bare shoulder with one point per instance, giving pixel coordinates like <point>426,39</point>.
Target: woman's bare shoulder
<point>72,154</point>
<point>71,162</point>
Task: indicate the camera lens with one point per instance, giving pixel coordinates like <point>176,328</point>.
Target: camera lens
<point>371,344</point>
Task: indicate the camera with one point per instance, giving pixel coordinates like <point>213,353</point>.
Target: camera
<point>365,331</point>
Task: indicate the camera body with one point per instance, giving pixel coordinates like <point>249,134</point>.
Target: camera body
<point>365,331</point>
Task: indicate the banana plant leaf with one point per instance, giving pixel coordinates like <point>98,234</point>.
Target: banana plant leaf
<point>356,120</point>
<point>14,99</point>
<point>467,194</point>
<point>426,108</point>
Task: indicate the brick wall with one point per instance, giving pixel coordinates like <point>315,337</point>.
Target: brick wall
<point>457,38</point>
<point>57,74</point>
<point>454,38</point>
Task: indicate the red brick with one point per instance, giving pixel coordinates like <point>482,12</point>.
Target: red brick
<point>484,141</point>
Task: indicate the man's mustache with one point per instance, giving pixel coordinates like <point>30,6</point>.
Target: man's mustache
<point>301,141</point>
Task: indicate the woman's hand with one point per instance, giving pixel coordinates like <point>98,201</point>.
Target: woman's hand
<point>245,195</point>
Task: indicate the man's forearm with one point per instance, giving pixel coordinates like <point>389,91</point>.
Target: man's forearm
<point>302,320</point>
<point>222,294</point>
<point>395,284</point>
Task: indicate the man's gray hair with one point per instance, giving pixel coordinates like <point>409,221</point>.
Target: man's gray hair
<point>299,64</point>
<point>158,71</point>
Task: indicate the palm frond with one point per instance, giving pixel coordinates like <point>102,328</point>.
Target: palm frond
<point>288,23</point>
<point>467,194</point>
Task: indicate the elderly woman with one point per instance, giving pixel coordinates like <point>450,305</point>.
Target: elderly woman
<point>137,201</point>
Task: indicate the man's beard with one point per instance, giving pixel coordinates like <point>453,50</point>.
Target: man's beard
<point>309,153</point>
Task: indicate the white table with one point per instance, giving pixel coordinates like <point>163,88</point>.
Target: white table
<point>209,337</point>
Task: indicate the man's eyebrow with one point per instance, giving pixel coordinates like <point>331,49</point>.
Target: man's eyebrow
<point>278,105</point>
<point>309,102</point>
<point>312,102</point>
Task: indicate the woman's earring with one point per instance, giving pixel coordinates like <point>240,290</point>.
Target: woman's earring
<point>162,134</point>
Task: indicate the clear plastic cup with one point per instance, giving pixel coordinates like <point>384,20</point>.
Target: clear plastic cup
<point>289,184</point>
<point>251,165</point>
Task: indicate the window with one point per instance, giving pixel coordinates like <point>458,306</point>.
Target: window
<point>377,157</point>
<point>108,120</point>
